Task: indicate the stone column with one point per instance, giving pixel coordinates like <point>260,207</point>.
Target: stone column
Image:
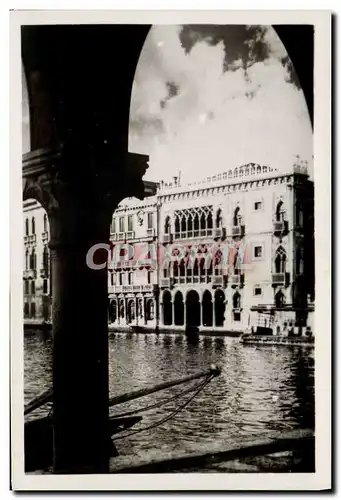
<point>80,344</point>
<point>77,189</point>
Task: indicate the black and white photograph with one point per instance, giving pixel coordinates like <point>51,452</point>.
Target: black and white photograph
<point>171,262</point>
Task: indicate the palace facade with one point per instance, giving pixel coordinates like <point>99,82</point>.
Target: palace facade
<point>201,255</point>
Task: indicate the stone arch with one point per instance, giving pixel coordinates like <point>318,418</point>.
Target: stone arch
<point>167,308</point>
<point>219,308</point>
<point>178,309</point>
<point>131,310</point>
<point>280,260</point>
<point>279,299</point>
<point>113,311</point>
<point>149,313</point>
<point>207,309</point>
<point>192,309</point>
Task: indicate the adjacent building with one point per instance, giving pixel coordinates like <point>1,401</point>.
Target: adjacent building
<point>201,255</point>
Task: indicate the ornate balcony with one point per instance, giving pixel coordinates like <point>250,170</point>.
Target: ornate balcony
<point>148,288</point>
<point>278,279</point>
<point>130,235</point>
<point>218,280</point>
<point>44,272</point>
<point>167,238</point>
<point>166,282</point>
<point>237,280</point>
<point>151,233</point>
<point>218,232</point>
<point>30,273</point>
<point>238,231</point>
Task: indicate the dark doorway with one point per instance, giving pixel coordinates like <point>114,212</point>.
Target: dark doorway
<point>113,311</point>
<point>167,308</point>
<point>207,309</point>
<point>192,309</point>
<point>178,309</point>
<point>219,308</point>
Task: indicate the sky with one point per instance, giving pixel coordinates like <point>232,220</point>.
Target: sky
<point>206,99</point>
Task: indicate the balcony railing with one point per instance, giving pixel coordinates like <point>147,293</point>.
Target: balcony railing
<point>238,231</point>
<point>196,233</point>
<point>30,273</point>
<point>131,288</point>
<point>166,282</point>
<point>218,232</point>
<point>279,226</point>
<point>278,279</point>
<point>130,235</point>
<point>32,239</point>
<point>45,235</point>
<point>218,280</point>
<point>237,279</point>
<point>151,233</point>
<point>113,236</point>
<point>121,236</point>
<point>44,272</point>
<point>167,238</point>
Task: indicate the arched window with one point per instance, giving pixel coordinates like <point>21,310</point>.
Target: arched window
<point>45,286</point>
<point>26,287</point>
<point>280,260</point>
<point>218,219</point>
<point>182,268</point>
<point>27,260</point>
<point>167,225</point>
<point>33,260</point>
<point>175,269</point>
<point>196,222</point>
<point>33,225</point>
<point>279,211</point>
<point>236,217</point>
<point>183,224</point>
<point>33,287</point>
<point>209,221</point>
<point>202,221</point>
<point>33,310</point>
<point>190,222</point>
<point>45,258</point>
<point>149,277</point>
<point>26,309</point>
<point>177,224</point>
<point>27,228</point>
<point>253,170</point>
<point>149,310</point>
<point>279,299</point>
<point>130,278</point>
<point>236,300</point>
<point>45,223</point>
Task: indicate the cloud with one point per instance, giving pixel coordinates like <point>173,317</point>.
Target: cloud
<point>206,100</point>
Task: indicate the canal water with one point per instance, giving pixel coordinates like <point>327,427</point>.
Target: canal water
<point>262,389</point>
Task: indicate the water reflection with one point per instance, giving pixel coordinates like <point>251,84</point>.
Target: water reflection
<point>260,388</point>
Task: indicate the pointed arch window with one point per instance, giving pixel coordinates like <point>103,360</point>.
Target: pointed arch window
<point>279,212</point>
<point>237,218</point>
<point>280,260</point>
<point>45,223</point>
<point>33,225</point>
<point>167,225</point>
<point>236,304</point>
<point>27,227</point>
